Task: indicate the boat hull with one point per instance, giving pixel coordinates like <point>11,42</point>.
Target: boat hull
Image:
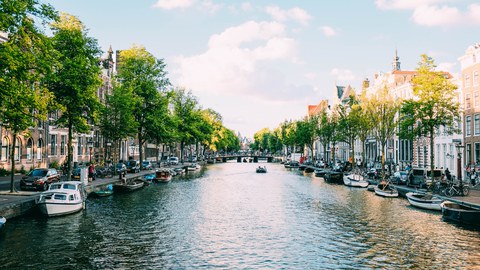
<point>460,213</point>
<point>424,201</point>
<point>355,180</point>
<point>52,209</point>
<point>128,187</point>
<point>386,191</point>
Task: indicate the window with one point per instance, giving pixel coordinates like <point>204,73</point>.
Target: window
<point>17,149</point>
<point>53,145</point>
<point>476,124</point>
<point>63,139</point>
<point>467,101</point>
<point>475,78</point>
<point>30,149</point>
<point>476,101</point>
<point>4,151</point>
<point>79,146</point>
<point>467,80</point>
<point>468,127</point>
<point>39,149</point>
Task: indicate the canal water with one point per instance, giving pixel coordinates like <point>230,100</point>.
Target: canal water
<point>229,217</point>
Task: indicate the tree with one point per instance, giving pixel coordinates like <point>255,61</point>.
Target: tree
<point>117,121</point>
<point>212,125</point>
<point>365,126</point>
<point>306,132</point>
<point>381,109</point>
<point>26,59</point>
<point>185,114</point>
<point>76,80</point>
<point>349,116</point>
<point>432,106</point>
<point>327,132</point>
<point>146,77</point>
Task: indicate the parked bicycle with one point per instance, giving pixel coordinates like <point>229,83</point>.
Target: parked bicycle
<point>456,190</point>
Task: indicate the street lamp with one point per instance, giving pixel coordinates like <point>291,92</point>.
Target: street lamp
<point>90,147</point>
<point>459,148</point>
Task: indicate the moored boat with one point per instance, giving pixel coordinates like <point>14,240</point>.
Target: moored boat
<point>261,169</point>
<point>129,186</point>
<point>62,198</point>
<point>193,167</point>
<point>355,180</point>
<point>425,201</point>
<point>163,176</point>
<point>105,192</point>
<point>320,172</point>
<point>3,220</point>
<point>385,189</point>
<point>460,213</point>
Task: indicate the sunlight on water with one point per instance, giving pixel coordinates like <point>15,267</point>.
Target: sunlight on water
<point>232,218</point>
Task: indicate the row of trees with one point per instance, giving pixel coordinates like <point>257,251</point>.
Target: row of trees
<point>40,74</point>
<point>380,115</point>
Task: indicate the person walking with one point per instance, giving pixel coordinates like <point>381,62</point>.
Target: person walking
<point>91,172</point>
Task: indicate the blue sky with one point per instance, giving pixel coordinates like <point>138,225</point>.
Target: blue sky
<point>261,62</point>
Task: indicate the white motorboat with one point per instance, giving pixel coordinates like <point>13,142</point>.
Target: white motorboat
<point>355,180</point>
<point>163,176</point>
<point>62,198</point>
<point>385,189</point>
<point>425,201</point>
<point>3,220</point>
<point>193,167</point>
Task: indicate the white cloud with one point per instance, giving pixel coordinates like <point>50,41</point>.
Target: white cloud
<point>241,60</point>
<point>310,75</point>
<point>405,4</point>
<point>434,12</point>
<point>210,7</point>
<point>343,75</point>
<point>173,4</point>
<point>448,67</point>
<point>297,14</point>
<point>328,31</point>
<point>436,16</point>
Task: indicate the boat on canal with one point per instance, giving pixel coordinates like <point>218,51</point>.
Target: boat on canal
<point>424,201</point>
<point>163,176</point>
<point>193,167</point>
<point>261,169</point>
<point>355,180</point>
<point>3,220</point>
<point>104,192</point>
<point>335,175</point>
<point>320,172</point>
<point>385,189</point>
<point>460,213</point>
<point>129,186</point>
<point>62,198</point>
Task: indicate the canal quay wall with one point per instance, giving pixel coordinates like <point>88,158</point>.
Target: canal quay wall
<point>21,203</point>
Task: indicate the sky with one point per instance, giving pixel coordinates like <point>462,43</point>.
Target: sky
<point>259,63</point>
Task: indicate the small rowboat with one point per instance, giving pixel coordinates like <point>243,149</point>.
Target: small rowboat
<point>425,201</point>
<point>355,180</point>
<point>460,213</point>
<point>385,189</point>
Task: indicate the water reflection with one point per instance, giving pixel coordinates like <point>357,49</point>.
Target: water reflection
<point>229,217</point>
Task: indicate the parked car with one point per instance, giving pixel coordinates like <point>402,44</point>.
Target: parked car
<point>133,166</point>
<point>39,179</point>
<point>121,167</point>
<point>147,165</point>
<point>400,178</point>
<point>173,160</point>
<point>416,177</point>
<point>76,174</point>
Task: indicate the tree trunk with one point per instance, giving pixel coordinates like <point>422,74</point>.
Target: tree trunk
<point>12,162</point>
<point>69,152</point>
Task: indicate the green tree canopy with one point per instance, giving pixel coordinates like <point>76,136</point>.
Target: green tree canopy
<point>26,58</point>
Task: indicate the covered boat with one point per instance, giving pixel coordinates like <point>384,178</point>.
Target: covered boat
<point>129,186</point>
<point>261,169</point>
<point>3,220</point>
<point>163,176</point>
<point>62,198</point>
<point>385,189</point>
<point>425,201</point>
<point>460,213</point>
<point>355,180</point>
<point>103,192</point>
